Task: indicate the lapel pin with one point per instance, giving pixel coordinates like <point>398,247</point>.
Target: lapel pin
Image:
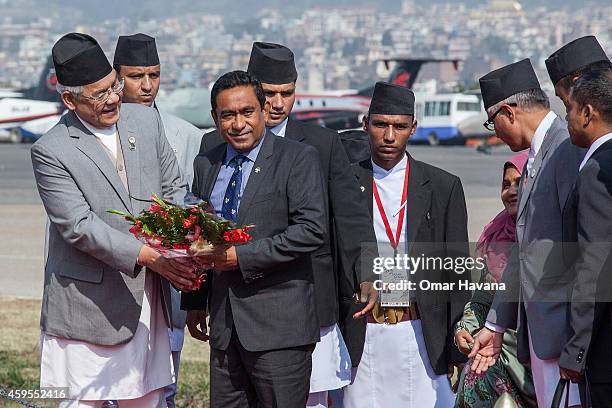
<point>132,143</point>
<point>362,188</point>
<point>257,169</point>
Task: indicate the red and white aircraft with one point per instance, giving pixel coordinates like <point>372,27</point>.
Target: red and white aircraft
<point>30,111</point>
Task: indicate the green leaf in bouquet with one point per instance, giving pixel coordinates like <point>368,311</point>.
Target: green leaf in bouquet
<point>146,229</point>
<point>122,213</point>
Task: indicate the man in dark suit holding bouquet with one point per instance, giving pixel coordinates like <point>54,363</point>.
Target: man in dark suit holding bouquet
<point>261,338</point>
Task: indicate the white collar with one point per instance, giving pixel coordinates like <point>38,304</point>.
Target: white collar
<point>596,145</point>
<point>379,173</point>
<point>279,130</point>
<point>538,136</point>
<point>98,132</point>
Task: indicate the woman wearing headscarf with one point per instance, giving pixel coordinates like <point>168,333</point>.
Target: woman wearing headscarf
<point>508,375</point>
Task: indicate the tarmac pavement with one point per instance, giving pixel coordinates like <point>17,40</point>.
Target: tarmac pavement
<point>22,216</point>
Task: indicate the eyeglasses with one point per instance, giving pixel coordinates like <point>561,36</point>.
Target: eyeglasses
<point>490,123</point>
<point>104,95</point>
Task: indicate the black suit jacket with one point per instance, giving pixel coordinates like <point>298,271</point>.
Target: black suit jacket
<point>357,145</point>
<point>436,219</point>
<point>268,299</point>
<point>339,258</point>
<point>587,235</point>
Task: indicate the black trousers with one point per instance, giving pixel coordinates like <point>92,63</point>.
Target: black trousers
<point>268,379</point>
<point>600,395</point>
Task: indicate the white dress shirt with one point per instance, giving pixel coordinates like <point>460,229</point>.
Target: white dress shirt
<point>279,130</point>
<point>538,138</point>
<point>596,145</point>
<point>390,185</point>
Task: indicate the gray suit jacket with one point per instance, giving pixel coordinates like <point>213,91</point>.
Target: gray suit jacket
<point>536,275</point>
<point>93,288</point>
<point>184,139</point>
<point>270,300</point>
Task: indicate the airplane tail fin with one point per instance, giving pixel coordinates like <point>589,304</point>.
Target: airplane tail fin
<point>404,71</point>
<point>45,88</point>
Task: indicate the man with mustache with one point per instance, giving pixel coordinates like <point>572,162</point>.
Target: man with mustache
<point>137,63</point>
<point>260,294</point>
<point>337,264</point>
<point>106,302</point>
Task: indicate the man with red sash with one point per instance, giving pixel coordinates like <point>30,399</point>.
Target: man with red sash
<point>417,211</point>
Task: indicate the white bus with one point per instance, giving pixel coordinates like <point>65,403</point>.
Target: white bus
<point>439,116</point>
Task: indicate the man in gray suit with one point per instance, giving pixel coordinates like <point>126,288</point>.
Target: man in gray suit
<point>104,317</point>
<point>137,62</point>
<point>263,320</point>
<point>536,276</point>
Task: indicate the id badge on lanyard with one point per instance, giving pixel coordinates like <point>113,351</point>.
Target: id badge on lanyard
<point>394,280</point>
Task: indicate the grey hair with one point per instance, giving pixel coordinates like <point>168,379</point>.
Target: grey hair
<point>528,101</point>
<point>75,90</point>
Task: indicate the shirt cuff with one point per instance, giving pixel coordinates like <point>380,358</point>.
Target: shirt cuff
<point>494,327</point>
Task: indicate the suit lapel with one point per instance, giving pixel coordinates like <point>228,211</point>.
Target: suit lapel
<point>91,147</point>
<point>418,200</point>
<point>535,170</point>
<point>129,148</point>
<point>216,160</point>
<point>258,175</point>
<point>293,131</point>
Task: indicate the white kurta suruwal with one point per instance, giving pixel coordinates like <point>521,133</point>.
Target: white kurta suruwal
<point>131,371</point>
<point>394,370</point>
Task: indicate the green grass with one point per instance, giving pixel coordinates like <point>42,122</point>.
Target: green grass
<point>19,356</point>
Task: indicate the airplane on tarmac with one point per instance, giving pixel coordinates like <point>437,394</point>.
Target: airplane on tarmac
<point>334,109</point>
<point>26,114</point>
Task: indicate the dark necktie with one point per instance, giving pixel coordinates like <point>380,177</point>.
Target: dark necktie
<point>229,210</point>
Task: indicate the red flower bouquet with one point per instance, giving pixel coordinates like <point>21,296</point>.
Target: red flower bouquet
<point>184,232</point>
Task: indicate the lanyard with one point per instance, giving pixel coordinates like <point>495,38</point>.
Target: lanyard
<point>393,240</point>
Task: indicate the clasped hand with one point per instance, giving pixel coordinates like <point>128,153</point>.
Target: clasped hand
<point>181,274</point>
<point>486,350</point>
<point>225,260</point>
